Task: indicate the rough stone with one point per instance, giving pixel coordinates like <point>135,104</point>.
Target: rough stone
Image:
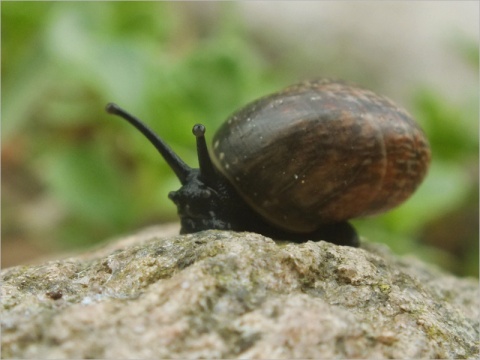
<point>236,295</point>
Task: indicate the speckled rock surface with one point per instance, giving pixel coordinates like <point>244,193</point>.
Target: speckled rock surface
<point>236,295</point>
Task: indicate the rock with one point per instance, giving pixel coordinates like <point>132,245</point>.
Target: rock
<point>219,294</point>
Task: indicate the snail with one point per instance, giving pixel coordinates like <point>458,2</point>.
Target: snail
<point>299,164</point>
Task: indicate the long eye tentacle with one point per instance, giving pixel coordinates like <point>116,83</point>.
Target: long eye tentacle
<point>179,167</point>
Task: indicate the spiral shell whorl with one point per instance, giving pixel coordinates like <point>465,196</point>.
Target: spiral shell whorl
<point>320,152</point>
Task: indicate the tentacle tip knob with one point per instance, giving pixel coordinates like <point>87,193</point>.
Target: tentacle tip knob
<point>112,108</point>
<point>198,130</point>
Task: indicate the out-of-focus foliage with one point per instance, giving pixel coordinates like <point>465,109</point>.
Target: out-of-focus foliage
<point>73,175</point>
<point>63,62</point>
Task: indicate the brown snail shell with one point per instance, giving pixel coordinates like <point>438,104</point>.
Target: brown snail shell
<point>321,152</point>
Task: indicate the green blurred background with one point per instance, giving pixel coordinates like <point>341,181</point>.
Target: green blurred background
<point>73,176</point>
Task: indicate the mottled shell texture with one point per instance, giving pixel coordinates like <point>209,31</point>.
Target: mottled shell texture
<point>320,152</point>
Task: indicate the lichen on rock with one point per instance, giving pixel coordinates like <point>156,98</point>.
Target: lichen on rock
<point>221,294</point>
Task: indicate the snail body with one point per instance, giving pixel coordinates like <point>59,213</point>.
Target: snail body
<point>298,164</point>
